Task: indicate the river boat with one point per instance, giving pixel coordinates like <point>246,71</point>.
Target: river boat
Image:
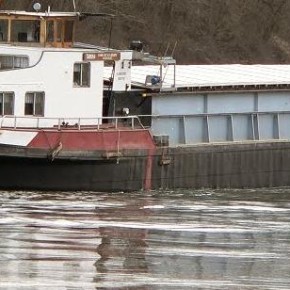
<point>77,116</point>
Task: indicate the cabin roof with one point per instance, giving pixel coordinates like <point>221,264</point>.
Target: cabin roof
<point>216,77</point>
<point>38,14</point>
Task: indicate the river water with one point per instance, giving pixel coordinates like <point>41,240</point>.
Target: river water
<point>145,240</point>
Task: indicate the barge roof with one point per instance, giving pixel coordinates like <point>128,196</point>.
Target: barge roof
<point>216,77</point>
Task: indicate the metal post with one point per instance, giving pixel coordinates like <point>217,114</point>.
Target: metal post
<point>110,34</point>
<point>118,142</point>
<point>207,130</point>
<point>230,127</point>
<point>74,5</point>
<point>161,76</point>
<point>276,120</point>
<point>2,120</point>
<point>184,130</point>
<point>256,127</point>
<point>175,75</point>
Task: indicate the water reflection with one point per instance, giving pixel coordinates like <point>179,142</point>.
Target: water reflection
<point>122,250</point>
<point>122,253</point>
<point>156,240</point>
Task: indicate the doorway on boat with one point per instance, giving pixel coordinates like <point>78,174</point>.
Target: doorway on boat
<point>108,95</point>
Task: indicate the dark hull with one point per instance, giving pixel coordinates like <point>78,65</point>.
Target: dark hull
<point>94,175</point>
<point>211,166</point>
<point>253,165</point>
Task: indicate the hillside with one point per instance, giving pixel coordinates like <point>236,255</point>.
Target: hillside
<point>195,31</point>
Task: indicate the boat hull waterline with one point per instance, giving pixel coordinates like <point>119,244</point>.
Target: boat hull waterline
<point>129,168</point>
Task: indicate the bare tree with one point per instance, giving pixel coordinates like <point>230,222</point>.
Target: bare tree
<point>196,31</point>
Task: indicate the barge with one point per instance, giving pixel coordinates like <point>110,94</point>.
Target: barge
<point>76,116</point>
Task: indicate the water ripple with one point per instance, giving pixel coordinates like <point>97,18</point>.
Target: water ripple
<point>146,240</point>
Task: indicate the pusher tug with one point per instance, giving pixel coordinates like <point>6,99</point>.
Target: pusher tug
<point>76,116</point>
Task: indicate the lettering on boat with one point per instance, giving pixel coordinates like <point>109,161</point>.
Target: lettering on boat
<point>101,56</point>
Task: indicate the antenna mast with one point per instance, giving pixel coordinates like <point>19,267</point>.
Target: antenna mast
<point>74,5</point>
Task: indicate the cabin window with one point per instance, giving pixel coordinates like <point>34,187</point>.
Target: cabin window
<point>68,33</point>
<point>82,74</point>
<point>50,31</point>
<point>3,30</point>
<point>25,31</point>
<point>13,62</point>
<point>59,31</point>
<point>6,104</point>
<point>34,104</point>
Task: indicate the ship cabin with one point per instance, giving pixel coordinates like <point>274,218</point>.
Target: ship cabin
<point>45,74</point>
<point>37,29</point>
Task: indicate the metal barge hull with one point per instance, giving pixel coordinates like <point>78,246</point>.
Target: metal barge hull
<point>26,173</point>
<point>244,165</point>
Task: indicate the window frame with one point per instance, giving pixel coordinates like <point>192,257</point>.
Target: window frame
<point>4,30</point>
<point>13,61</point>
<point>35,94</point>
<point>69,26</point>
<point>2,101</point>
<point>78,81</point>
<point>28,32</point>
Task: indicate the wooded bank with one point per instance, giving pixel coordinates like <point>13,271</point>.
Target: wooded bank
<point>194,31</point>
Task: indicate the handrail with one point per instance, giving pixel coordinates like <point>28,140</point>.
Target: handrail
<point>2,120</point>
<point>116,122</point>
<point>20,122</point>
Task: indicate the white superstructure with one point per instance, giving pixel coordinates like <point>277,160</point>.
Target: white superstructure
<point>42,74</point>
<point>52,76</point>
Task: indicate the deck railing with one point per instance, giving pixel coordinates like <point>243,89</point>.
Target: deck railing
<point>122,122</point>
<point>181,129</point>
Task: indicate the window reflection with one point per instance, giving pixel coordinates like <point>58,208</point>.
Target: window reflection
<point>13,62</point>
<point>59,29</point>
<point>25,31</point>
<point>3,30</point>
<point>50,31</point>
<point>34,104</point>
<point>81,76</point>
<point>6,104</point>
<point>68,36</point>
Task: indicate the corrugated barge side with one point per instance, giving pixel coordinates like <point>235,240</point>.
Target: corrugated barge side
<point>235,165</point>
<point>239,165</point>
